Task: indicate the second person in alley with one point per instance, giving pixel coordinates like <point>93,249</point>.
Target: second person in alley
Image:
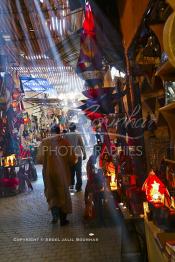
<point>77,144</point>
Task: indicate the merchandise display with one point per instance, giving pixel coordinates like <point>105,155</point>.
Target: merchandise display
<point>12,121</point>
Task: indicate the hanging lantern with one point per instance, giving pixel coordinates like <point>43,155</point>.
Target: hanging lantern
<point>111,173</point>
<point>113,183</point>
<point>10,160</point>
<point>109,169</point>
<point>155,190</point>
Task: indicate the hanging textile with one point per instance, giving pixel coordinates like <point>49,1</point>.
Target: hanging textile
<point>90,62</point>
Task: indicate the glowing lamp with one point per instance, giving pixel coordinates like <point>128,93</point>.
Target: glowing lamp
<point>155,190</point>
<point>10,160</point>
<point>113,183</point>
<point>26,121</point>
<point>14,104</point>
<point>156,196</point>
<point>110,169</point>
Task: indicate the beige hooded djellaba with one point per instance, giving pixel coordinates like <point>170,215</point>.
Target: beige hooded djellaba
<point>57,157</point>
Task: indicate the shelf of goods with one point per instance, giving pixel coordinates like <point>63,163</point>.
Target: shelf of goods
<point>157,240</point>
<point>16,175</point>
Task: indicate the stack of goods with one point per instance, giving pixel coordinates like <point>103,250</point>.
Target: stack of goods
<point>9,181</point>
<point>170,249</point>
<point>131,193</point>
<point>166,242</point>
<point>10,121</point>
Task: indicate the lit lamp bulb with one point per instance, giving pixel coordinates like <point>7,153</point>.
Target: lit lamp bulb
<point>113,183</point>
<point>155,196</point>
<point>113,178</point>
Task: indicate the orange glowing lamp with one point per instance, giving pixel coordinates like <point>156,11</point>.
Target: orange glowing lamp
<point>10,160</point>
<point>113,183</point>
<point>14,104</point>
<point>110,168</point>
<point>111,173</point>
<point>155,190</point>
<point>26,120</point>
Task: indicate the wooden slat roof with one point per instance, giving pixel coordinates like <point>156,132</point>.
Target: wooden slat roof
<point>32,27</point>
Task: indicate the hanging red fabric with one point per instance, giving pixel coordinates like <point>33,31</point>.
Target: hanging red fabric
<point>88,23</point>
<point>93,115</point>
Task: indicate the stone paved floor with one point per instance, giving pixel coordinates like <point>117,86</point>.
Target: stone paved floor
<point>25,230</point>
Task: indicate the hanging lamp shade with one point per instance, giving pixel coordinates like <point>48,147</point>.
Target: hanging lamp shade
<point>88,23</point>
<point>89,63</point>
<point>155,190</point>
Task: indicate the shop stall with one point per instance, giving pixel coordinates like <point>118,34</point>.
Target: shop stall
<point>12,150</point>
<point>159,207</point>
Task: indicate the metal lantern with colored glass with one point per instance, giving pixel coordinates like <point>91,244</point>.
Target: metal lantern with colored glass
<point>156,192</point>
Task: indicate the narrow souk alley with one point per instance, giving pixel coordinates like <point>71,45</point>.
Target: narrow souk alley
<point>27,234</point>
<point>87,130</point>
